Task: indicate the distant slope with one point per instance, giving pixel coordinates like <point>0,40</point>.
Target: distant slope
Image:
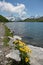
<point>3,19</point>
<point>40,19</point>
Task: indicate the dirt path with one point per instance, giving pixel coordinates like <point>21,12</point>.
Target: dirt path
<point>2,32</point>
<point>3,50</point>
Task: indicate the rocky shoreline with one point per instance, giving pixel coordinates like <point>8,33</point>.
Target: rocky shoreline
<point>36,57</point>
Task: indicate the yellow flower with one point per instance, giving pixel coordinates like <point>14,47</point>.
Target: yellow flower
<point>30,51</point>
<point>26,59</point>
<point>23,43</point>
<point>20,42</point>
<point>24,48</point>
<point>27,49</point>
<point>21,49</point>
<point>15,42</point>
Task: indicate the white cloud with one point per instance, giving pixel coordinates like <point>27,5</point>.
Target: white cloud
<point>8,7</point>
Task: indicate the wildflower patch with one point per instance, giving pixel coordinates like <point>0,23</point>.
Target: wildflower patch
<point>24,51</point>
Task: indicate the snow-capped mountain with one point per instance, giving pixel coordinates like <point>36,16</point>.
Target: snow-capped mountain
<point>13,18</point>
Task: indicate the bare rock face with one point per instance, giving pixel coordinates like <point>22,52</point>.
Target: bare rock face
<point>36,56</point>
<point>14,54</point>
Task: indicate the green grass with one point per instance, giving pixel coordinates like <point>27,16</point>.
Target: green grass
<point>6,40</point>
<point>7,33</point>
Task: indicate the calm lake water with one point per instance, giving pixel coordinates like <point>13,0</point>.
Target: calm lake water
<point>31,32</point>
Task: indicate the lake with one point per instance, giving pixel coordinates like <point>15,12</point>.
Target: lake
<point>31,32</point>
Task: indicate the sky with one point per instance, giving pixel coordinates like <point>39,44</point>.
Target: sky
<point>21,8</point>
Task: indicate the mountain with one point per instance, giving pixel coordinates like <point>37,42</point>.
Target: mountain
<point>39,19</point>
<point>17,19</point>
<point>3,19</point>
<point>12,18</point>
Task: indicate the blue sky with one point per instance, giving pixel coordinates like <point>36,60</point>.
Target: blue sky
<point>32,7</point>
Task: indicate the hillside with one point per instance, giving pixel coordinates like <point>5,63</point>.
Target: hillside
<point>3,19</point>
<point>40,19</point>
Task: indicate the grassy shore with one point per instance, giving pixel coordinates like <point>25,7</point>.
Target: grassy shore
<point>7,33</point>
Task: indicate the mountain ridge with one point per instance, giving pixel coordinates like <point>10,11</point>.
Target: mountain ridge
<point>17,19</point>
<point>39,19</point>
<point>3,19</point>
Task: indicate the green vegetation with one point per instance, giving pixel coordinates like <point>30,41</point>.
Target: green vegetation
<point>19,63</point>
<point>40,19</point>
<point>7,33</point>
<point>3,19</point>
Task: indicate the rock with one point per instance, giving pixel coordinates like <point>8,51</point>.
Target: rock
<point>14,54</point>
<point>36,57</point>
